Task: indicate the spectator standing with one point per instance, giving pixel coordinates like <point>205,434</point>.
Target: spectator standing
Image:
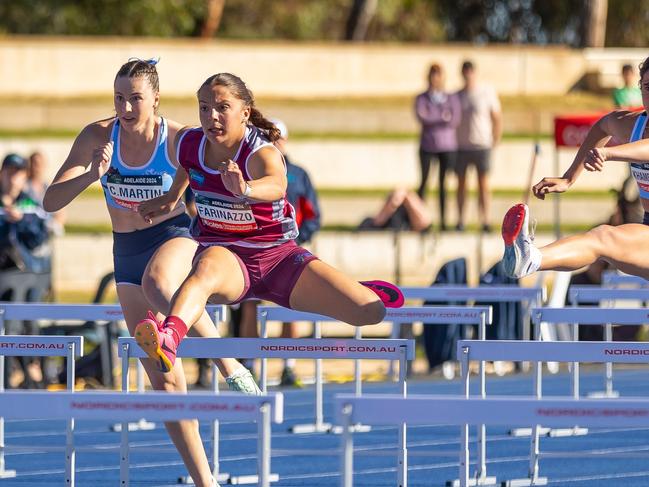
<point>479,132</point>
<point>439,114</point>
<point>629,95</point>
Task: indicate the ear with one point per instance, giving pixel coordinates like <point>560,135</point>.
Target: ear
<point>245,114</point>
<point>156,101</point>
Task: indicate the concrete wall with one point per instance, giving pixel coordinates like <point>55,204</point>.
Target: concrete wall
<point>63,67</point>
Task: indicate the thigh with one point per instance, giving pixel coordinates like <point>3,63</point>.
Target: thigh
<point>482,161</point>
<point>325,290</point>
<point>172,262</point>
<point>627,248</point>
<point>222,273</point>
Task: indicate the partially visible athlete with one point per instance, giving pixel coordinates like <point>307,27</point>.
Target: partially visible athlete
<point>626,246</point>
<point>245,227</point>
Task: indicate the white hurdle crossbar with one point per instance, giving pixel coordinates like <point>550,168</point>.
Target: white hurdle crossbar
<point>616,352</point>
<point>503,411</point>
<point>159,406</point>
<point>402,350</point>
<point>84,312</point>
<point>578,295</point>
<point>431,315</point>
<point>615,278</point>
<point>70,347</point>
<point>531,296</point>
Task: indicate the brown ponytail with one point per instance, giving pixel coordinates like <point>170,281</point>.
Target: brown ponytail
<point>239,89</point>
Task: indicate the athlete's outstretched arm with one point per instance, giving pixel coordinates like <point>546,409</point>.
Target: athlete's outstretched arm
<point>268,173</point>
<point>165,203</point>
<point>598,135</point>
<point>90,148</point>
<point>637,152</point>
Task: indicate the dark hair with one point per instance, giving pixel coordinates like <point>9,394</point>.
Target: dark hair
<point>627,68</point>
<point>434,69</point>
<point>467,66</point>
<point>643,68</point>
<point>140,68</point>
<point>239,89</point>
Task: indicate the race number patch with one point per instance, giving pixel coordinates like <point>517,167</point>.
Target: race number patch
<point>641,175</point>
<point>130,191</point>
<point>231,216</point>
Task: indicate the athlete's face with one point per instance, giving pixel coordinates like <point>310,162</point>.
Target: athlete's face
<point>135,101</point>
<point>223,116</point>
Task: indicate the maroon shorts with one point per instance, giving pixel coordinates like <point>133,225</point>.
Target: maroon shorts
<point>270,273</point>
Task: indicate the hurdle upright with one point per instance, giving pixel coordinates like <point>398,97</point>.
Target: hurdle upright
<point>431,315</point>
<point>272,348</point>
<point>617,352</point>
<point>591,294</point>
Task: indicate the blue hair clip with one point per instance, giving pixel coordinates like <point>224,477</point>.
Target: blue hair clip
<point>152,61</point>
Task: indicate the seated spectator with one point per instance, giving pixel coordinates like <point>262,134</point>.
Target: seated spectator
<point>25,257</point>
<point>23,222</point>
<point>402,210</point>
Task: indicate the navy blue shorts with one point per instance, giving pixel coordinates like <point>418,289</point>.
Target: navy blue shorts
<point>132,250</point>
<point>645,218</point>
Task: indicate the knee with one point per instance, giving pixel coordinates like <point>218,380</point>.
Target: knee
<point>604,235</point>
<point>156,283</point>
<point>371,313</point>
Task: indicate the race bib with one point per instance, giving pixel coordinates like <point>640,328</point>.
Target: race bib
<point>230,216</point>
<point>641,174</point>
<point>130,191</point>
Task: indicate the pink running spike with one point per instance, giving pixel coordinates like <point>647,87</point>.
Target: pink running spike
<point>390,294</point>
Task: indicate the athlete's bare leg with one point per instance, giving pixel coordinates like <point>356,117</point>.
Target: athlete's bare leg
<point>184,434</point>
<point>164,274</point>
<point>626,247</point>
<point>325,290</point>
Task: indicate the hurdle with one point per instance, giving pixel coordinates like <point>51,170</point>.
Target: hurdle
<point>273,348</point>
<point>42,346</point>
<point>502,411</point>
<point>530,296</point>
<point>84,312</point>
<point>158,406</point>
<point>431,315</point>
<point>589,295</point>
<point>615,352</point>
<point>615,278</point>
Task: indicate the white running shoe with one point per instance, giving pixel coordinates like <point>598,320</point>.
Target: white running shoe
<point>243,381</point>
<point>521,257</point>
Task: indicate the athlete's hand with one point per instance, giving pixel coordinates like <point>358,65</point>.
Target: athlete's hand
<point>550,185</point>
<point>155,207</point>
<point>101,160</point>
<point>232,177</point>
<point>595,159</point>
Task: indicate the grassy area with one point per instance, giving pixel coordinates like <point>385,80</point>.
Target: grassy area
<point>532,105</point>
<point>95,192</point>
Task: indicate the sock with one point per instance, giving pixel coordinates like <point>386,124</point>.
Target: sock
<point>289,363</point>
<point>177,326</point>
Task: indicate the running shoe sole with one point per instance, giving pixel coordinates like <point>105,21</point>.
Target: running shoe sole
<point>146,336</point>
<point>393,295</point>
<point>514,221</point>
